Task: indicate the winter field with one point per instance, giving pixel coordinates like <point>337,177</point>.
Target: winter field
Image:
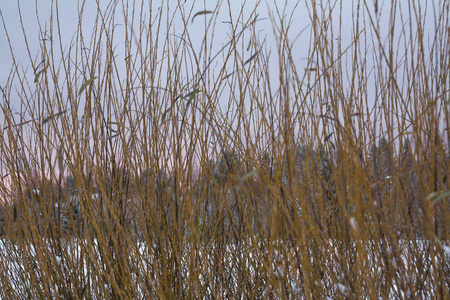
<point>260,151</point>
<point>267,273</point>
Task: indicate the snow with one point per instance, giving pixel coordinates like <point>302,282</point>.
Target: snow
<point>143,259</point>
<point>394,263</point>
<point>353,224</point>
<point>295,287</point>
<point>279,273</point>
<point>446,249</point>
<point>341,288</point>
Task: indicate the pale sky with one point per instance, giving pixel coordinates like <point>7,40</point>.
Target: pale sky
<point>68,16</point>
<point>68,20</point>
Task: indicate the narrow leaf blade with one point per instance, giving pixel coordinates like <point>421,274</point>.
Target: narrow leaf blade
<point>200,13</point>
<point>251,58</point>
<point>53,116</point>
<point>38,74</point>
<point>86,83</point>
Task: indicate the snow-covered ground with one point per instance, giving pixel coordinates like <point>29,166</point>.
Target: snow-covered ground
<point>409,269</point>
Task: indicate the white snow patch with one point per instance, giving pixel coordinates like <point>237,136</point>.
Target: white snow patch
<point>295,288</point>
<point>446,249</point>
<point>278,272</point>
<point>340,287</point>
<point>353,224</point>
<point>394,263</point>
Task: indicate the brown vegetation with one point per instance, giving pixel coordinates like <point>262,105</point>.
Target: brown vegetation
<point>136,183</point>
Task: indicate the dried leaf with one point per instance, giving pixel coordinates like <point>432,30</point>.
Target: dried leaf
<point>61,165</point>
<point>251,58</point>
<point>228,75</point>
<point>19,124</point>
<point>86,83</point>
<point>328,136</point>
<point>327,117</point>
<point>113,136</point>
<point>53,116</point>
<point>191,95</point>
<point>249,44</point>
<point>166,112</point>
<point>38,74</point>
<point>438,196</point>
<point>203,12</point>
<point>245,177</point>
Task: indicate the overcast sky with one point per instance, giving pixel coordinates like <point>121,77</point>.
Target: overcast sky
<point>68,15</point>
<point>67,11</point>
